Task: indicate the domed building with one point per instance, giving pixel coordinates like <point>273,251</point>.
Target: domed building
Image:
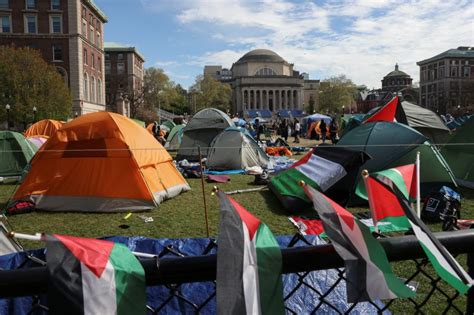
<point>396,80</point>
<point>262,80</point>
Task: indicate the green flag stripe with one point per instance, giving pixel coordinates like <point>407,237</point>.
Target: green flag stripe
<point>396,177</point>
<point>400,221</point>
<point>378,257</point>
<point>269,264</point>
<point>129,281</point>
<point>287,183</point>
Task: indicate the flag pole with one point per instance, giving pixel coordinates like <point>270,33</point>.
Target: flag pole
<point>365,176</point>
<point>418,193</point>
<point>203,192</point>
<point>38,237</point>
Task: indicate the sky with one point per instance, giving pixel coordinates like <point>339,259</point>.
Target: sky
<point>362,39</point>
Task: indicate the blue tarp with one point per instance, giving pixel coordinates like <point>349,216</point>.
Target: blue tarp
<point>303,301</point>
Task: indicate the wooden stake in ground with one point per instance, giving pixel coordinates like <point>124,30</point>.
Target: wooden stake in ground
<point>203,192</point>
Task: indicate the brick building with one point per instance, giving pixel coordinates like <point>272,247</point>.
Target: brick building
<point>447,81</point>
<point>123,78</point>
<point>396,80</point>
<point>69,35</point>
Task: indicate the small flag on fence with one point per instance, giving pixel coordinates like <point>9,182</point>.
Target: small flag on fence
<point>368,272</point>
<point>445,265</point>
<point>89,276</point>
<point>248,263</point>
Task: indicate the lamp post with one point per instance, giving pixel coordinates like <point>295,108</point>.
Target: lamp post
<point>343,109</point>
<point>75,115</point>
<point>7,107</point>
<point>459,110</point>
<point>34,114</point>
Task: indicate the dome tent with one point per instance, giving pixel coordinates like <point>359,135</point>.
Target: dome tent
<point>200,131</point>
<point>45,127</point>
<point>15,153</point>
<point>174,138</point>
<point>461,157</point>
<point>393,144</point>
<point>235,149</point>
<point>101,162</point>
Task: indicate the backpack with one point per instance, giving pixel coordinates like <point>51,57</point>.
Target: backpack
<point>442,206</point>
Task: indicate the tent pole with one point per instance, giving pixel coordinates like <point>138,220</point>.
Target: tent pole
<point>203,192</point>
<point>418,187</point>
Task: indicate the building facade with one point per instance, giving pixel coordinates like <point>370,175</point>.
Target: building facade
<point>69,35</point>
<point>124,78</point>
<point>218,73</point>
<point>396,81</point>
<point>447,81</point>
<point>262,80</point>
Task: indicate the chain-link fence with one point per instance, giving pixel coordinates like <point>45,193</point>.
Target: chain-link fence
<point>182,278</point>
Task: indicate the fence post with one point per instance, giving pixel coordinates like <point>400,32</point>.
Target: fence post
<point>470,293</point>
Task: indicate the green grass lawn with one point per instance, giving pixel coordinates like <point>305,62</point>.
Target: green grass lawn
<point>183,216</point>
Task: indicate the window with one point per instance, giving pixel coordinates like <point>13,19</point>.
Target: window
<point>99,64</point>
<point>265,71</point>
<point>93,90</point>
<point>57,53</point>
<point>466,71</point>
<point>120,56</point>
<point>93,61</point>
<point>84,28</point>
<point>31,4</point>
<point>99,91</point>
<point>120,68</point>
<point>107,67</point>
<point>5,25</point>
<point>98,42</point>
<point>30,21</point>
<point>55,4</point>
<point>56,24</point>
<point>91,35</point>
<point>454,71</point>
<point>107,56</point>
<point>86,87</point>
<point>4,4</point>
<point>85,56</point>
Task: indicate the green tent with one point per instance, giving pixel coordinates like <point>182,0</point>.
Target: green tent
<point>169,124</point>
<point>459,154</point>
<point>174,137</point>
<point>393,144</point>
<point>15,153</point>
<point>138,121</point>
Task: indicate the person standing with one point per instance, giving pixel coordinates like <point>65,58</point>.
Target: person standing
<point>333,128</point>
<point>284,129</point>
<point>297,128</point>
<point>323,128</point>
<point>257,128</point>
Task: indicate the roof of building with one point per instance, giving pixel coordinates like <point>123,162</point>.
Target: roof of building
<point>397,73</point>
<point>460,52</point>
<point>99,12</point>
<point>111,47</point>
<point>261,55</point>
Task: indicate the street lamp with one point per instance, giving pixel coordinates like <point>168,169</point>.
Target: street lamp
<point>7,107</point>
<point>75,115</point>
<point>34,114</point>
<point>459,109</point>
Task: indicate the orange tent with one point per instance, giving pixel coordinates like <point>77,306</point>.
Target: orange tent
<point>45,127</point>
<point>315,125</point>
<point>101,162</point>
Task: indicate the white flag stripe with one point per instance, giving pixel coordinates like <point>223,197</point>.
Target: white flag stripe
<point>250,275</point>
<point>99,294</point>
<point>425,240</point>
<point>376,289</point>
<point>324,172</point>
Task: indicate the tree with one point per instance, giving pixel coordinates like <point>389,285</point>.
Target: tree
<point>336,92</point>
<point>208,92</point>
<point>27,81</point>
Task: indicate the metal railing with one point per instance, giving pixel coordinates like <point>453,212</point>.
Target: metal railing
<point>173,269</point>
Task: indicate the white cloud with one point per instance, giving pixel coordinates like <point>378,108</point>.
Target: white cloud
<point>360,38</point>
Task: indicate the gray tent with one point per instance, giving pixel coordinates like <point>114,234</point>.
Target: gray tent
<point>426,122</point>
<point>235,149</point>
<point>200,131</point>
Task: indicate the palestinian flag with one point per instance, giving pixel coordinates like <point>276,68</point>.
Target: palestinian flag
<point>89,276</point>
<point>249,263</point>
<point>369,275</point>
<point>392,111</point>
<point>445,265</point>
<point>321,168</point>
<point>383,203</point>
<point>307,226</point>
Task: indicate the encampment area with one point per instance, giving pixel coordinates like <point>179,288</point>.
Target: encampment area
<point>103,175</point>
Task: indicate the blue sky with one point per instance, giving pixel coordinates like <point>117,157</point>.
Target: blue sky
<point>362,39</point>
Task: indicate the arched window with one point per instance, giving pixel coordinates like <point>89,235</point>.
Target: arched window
<point>86,87</point>
<point>265,71</point>
<point>93,89</point>
<point>99,91</point>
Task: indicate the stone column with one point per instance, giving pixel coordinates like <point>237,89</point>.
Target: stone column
<point>261,97</point>
<point>254,99</point>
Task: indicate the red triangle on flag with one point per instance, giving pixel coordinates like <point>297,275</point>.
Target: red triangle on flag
<point>249,220</point>
<point>91,252</point>
<point>386,113</point>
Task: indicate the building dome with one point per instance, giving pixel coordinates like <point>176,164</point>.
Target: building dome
<point>397,73</point>
<point>261,55</point>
